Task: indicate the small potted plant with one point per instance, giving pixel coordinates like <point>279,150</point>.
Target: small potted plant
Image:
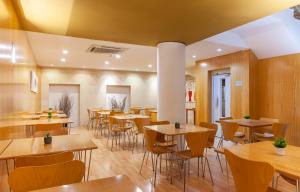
<point>47,139</point>
<point>280,145</point>
<point>247,117</point>
<point>177,125</point>
<point>49,115</point>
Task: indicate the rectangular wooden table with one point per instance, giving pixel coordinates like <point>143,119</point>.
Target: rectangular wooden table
<point>120,183</point>
<point>251,124</point>
<point>34,122</point>
<point>265,151</point>
<point>129,117</point>
<point>172,131</point>
<point>36,146</point>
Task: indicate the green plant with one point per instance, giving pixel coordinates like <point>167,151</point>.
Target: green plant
<point>49,114</point>
<point>247,117</point>
<point>280,143</point>
<point>47,135</point>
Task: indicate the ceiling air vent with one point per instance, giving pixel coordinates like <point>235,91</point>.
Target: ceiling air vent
<point>102,49</point>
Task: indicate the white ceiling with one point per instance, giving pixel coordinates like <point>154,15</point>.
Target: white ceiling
<point>271,36</point>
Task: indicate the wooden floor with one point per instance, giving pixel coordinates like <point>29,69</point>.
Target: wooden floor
<point>106,163</point>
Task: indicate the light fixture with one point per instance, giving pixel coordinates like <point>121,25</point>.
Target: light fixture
<point>117,56</point>
<point>194,56</point>
<point>83,66</point>
<point>150,66</point>
<point>203,64</point>
<point>219,50</point>
<point>65,52</point>
<point>63,60</point>
<point>106,62</point>
<point>136,69</point>
<point>51,65</point>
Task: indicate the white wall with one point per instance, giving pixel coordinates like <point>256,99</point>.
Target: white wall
<point>93,86</point>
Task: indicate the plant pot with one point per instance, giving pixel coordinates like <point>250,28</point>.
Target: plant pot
<point>280,151</point>
<point>47,140</point>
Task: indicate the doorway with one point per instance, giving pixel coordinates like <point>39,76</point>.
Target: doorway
<point>220,94</point>
<point>56,92</point>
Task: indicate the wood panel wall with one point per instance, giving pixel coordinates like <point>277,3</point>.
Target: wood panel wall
<point>241,64</point>
<point>279,92</point>
<point>271,88</point>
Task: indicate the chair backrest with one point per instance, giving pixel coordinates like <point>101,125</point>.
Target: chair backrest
<point>197,142</point>
<point>225,118</point>
<point>150,139</point>
<point>62,131</point>
<point>39,177</point>
<point>249,175</point>
<point>140,123</point>
<point>41,160</point>
<point>279,130</point>
<point>212,134</point>
<point>153,116</point>
<point>160,137</point>
<point>228,129</point>
<point>48,127</point>
<point>269,119</point>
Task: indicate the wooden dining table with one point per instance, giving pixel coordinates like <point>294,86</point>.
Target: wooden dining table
<point>170,131</point>
<point>289,164</point>
<point>62,143</point>
<point>251,124</point>
<point>119,183</point>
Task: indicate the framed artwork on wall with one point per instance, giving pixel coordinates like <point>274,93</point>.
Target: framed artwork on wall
<point>33,82</point>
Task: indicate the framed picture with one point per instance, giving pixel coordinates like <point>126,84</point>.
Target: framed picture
<point>33,82</point>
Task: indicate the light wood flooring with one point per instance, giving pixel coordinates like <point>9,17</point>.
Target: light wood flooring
<point>106,163</point>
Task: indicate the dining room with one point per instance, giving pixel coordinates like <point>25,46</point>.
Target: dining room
<point>93,97</point>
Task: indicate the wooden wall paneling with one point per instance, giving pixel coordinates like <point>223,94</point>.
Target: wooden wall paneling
<point>238,63</point>
<point>278,91</point>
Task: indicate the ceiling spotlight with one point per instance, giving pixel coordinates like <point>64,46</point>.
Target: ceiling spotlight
<point>194,56</point>
<point>150,66</point>
<point>219,50</point>
<point>136,69</point>
<point>106,62</point>
<point>117,56</point>
<point>203,64</point>
<point>63,60</point>
<point>65,52</point>
<point>51,65</point>
<point>83,66</point>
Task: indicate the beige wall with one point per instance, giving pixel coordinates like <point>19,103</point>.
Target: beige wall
<point>93,86</point>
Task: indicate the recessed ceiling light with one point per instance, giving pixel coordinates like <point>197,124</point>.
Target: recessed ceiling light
<point>83,66</point>
<point>136,69</point>
<point>219,50</point>
<point>65,51</point>
<point>149,65</point>
<point>112,68</point>
<point>118,56</point>
<point>203,64</point>
<point>106,62</point>
<point>194,56</point>
<point>63,60</point>
<point>51,65</point>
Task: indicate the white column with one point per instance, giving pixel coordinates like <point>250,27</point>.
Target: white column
<point>171,81</point>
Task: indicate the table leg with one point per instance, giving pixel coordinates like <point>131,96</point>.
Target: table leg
<point>7,167</point>
<point>89,166</point>
<point>84,164</point>
<point>297,185</point>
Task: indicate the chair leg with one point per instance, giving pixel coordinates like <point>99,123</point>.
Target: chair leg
<point>198,166</point>
<point>212,181</point>
<point>218,157</point>
<point>184,175</point>
<point>143,162</point>
<point>157,157</point>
